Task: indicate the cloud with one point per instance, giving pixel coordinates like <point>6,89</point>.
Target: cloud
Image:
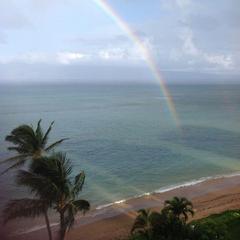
<point>108,54</point>
<point>188,43</point>
<point>113,54</point>
<point>189,48</point>
<point>47,58</point>
<point>182,35</point>
<point>70,57</point>
<point>114,49</point>
<point>225,61</point>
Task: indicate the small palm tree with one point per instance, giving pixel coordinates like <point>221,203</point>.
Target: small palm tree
<point>145,223</point>
<point>27,207</point>
<point>179,207</point>
<point>62,190</point>
<point>29,143</point>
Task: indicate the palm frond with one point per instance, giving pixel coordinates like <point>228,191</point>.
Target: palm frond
<point>56,170</point>
<point>63,164</point>
<point>24,137</point>
<point>24,207</point>
<point>55,144</point>
<point>40,185</point>
<point>15,165</point>
<point>45,137</point>
<point>70,217</point>
<point>14,139</point>
<point>191,211</point>
<point>141,220</point>
<point>15,158</point>
<point>81,205</point>
<point>17,149</point>
<point>39,133</point>
<point>78,183</point>
<point>20,134</point>
<point>72,208</point>
<point>138,225</point>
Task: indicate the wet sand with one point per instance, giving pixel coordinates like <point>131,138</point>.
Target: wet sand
<point>113,222</point>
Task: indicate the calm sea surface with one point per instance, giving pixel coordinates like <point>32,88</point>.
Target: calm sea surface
<point>124,137</point>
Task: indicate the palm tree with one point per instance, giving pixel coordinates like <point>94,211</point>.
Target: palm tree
<point>145,223</point>
<point>42,189</point>
<point>29,143</point>
<point>49,179</point>
<point>27,207</point>
<point>58,187</point>
<point>179,207</point>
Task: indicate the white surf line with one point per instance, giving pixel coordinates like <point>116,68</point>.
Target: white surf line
<point>160,190</point>
<point>172,187</point>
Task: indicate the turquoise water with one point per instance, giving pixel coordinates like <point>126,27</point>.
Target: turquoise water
<point>124,137</point>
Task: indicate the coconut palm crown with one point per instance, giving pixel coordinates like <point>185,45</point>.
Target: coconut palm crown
<point>179,207</point>
<point>145,223</point>
<point>29,143</point>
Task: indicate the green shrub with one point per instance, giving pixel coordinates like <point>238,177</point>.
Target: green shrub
<point>208,230</point>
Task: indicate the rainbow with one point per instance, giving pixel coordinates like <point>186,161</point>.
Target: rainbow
<point>147,56</point>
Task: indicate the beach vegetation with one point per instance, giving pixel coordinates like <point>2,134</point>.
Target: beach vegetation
<point>179,207</point>
<point>225,225</point>
<point>171,223</point>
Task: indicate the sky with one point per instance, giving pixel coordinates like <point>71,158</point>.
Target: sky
<point>77,40</point>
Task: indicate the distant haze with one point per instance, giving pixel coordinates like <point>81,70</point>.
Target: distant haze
<point>77,41</point>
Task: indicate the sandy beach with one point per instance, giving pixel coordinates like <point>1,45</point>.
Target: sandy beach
<point>113,222</point>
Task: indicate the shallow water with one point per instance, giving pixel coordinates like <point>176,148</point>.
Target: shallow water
<point>124,137</point>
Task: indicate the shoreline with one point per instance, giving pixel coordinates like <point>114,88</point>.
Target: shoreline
<point>120,215</point>
<point>170,188</point>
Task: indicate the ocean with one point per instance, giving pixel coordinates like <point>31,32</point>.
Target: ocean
<point>125,138</point>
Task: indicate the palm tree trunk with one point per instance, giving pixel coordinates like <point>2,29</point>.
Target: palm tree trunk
<point>62,227</point>
<point>48,226</point>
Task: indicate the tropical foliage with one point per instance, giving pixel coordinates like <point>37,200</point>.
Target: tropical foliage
<point>144,223</point>
<point>49,179</point>
<point>171,224</point>
<point>27,207</point>
<point>29,143</point>
<point>225,226</point>
<point>62,191</point>
<point>179,207</point>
